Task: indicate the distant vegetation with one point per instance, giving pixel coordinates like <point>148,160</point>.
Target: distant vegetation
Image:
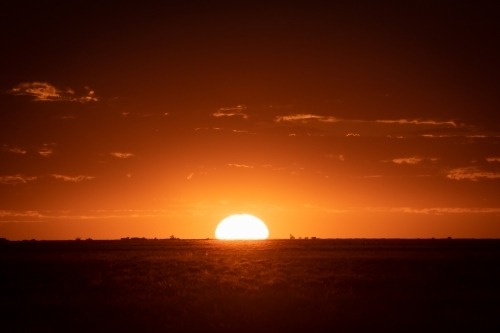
<point>144,238</point>
<point>293,237</point>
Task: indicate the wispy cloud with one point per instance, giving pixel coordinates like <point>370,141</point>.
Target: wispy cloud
<point>206,208</point>
<point>409,210</point>
<point>449,210</point>
<point>68,116</point>
<point>305,117</point>
<point>330,119</point>
<point>14,150</point>
<point>336,211</point>
<point>72,179</point>
<point>47,149</point>
<point>231,111</point>
<point>407,160</point>
<point>471,173</point>
<point>352,134</point>
<point>22,179</point>
<point>436,136</point>
<point>190,176</point>
<point>122,155</point>
<point>417,122</point>
<point>16,179</point>
<point>241,166</point>
<point>493,159</point>
<point>336,157</point>
<point>6,215</point>
<point>43,91</point>
<point>473,136</point>
<point>17,150</point>
<point>25,213</point>
<point>144,115</point>
<point>482,136</point>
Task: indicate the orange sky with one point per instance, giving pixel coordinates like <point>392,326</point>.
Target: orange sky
<point>337,120</point>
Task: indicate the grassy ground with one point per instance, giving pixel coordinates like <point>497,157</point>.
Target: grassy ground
<point>248,286</point>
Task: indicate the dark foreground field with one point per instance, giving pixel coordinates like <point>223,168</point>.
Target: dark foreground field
<point>250,286</point>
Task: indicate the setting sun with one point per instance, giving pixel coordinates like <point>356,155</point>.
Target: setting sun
<point>241,226</point>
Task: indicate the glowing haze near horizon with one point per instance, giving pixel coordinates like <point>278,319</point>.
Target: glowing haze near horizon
<point>340,120</point>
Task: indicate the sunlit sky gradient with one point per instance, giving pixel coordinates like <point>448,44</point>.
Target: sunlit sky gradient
<point>339,120</point>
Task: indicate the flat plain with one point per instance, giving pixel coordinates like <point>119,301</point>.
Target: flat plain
<point>248,286</point>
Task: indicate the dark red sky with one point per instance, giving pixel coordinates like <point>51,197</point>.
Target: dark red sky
<point>338,120</point>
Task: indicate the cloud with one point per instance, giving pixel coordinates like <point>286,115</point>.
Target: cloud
<point>230,112</point>
<point>336,211</point>
<point>14,150</point>
<point>72,179</point>
<point>410,210</point>
<point>15,179</point>
<point>449,210</point>
<point>145,115</point>
<point>46,149</point>
<point>22,179</point>
<point>241,166</point>
<point>336,157</point>
<point>482,136</point>
<point>5,215</point>
<point>474,136</point>
<point>43,91</point>
<point>27,213</point>
<point>412,160</point>
<point>190,176</point>
<point>46,152</point>
<point>493,159</point>
<point>122,155</point>
<point>352,134</point>
<point>417,122</point>
<point>17,151</point>
<point>407,160</point>
<point>471,173</point>
<point>304,117</point>
<point>68,116</point>
<point>331,119</point>
<point>90,97</point>
<point>436,136</point>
